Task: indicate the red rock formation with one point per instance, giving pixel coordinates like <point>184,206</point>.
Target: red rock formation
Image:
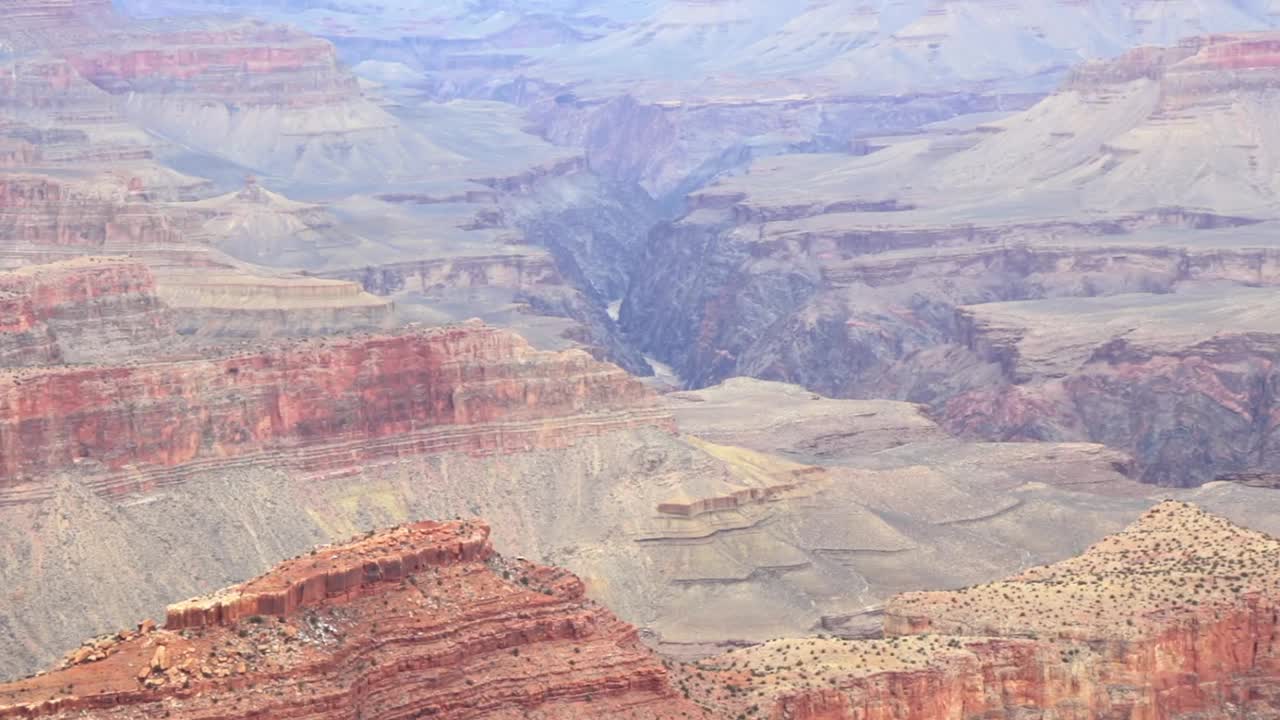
<point>346,571</point>
<point>79,309</point>
<point>39,212</point>
<point>57,288</point>
<point>253,62</point>
<point>24,340</point>
<point>1173,618</point>
<point>318,405</point>
<point>419,621</point>
<point>1196,70</point>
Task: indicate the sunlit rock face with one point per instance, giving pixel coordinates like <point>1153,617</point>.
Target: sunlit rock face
<point>180,413</point>
<point>421,619</point>
<point>1152,622</point>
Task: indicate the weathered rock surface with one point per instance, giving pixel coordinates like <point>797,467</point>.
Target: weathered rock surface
<point>891,502</point>
<point>80,311</point>
<point>467,388</point>
<point>1103,369</point>
<point>421,620</point>
<point>1172,618</point>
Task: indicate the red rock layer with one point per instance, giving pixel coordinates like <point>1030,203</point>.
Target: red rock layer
<point>320,405</point>
<point>1194,71</point>
<point>63,311</point>
<point>58,288</point>
<point>249,62</point>
<point>345,571</point>
<point>420,621</point>
<point>1174,618</point>
<point>41,212</point>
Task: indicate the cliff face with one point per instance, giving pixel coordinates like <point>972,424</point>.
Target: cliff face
<point>1172,618</point>
<point>422,620</point>
<point>1190,401</point>
<point>42,214</point>
<point>271,64</point>
<point>81,310</point>
<point>467,388</point>
<point>1180,609</point>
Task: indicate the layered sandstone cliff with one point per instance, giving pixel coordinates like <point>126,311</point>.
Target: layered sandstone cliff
<point>81,310</point>
<point>318,403</point>
<point>44,217</point>
<point>423,620</point>
<point>1172,618</point>
<point>228,304</point>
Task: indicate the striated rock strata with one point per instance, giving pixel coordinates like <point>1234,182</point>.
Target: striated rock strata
<point>226,304</point>
<point>1173,618</point>
<point>80,310</point>
<point>322,404</point>
<point>422,620</point>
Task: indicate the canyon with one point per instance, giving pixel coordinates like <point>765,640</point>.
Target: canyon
<point>871,277</point>
<point>762,321</point>
<point>793,510</point>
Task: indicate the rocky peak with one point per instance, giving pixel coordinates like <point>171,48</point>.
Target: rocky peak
<point>1175,563</point>
<point>337,571</point>
<point>422,620</point>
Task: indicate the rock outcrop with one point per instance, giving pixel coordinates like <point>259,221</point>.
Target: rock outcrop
<point>83,310</point>
<point>1172,618</point>
<point>1104,369</point>
<point>226,304</point>
<point>87,217</point>
<point>465,388</point>
<point>419,621</point>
